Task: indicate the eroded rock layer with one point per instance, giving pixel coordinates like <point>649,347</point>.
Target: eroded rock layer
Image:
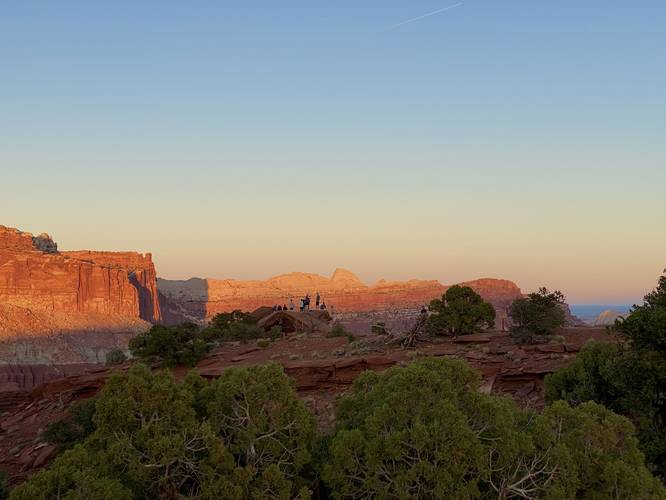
<point>45,293</point>
<point>343,292</point>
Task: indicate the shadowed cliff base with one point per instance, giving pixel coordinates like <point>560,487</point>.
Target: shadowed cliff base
<point>183,300</point>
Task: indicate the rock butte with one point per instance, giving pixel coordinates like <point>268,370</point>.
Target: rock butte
<point>44,291</point>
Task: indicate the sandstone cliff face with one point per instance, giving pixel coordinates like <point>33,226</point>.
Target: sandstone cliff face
<point>75,282</point>
<point>343,292</point>
<point>139,272</point>
<point>44,292</point>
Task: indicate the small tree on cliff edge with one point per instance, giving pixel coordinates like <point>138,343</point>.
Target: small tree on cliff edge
<point>645,327</point>
<point>539,314</point>
<point>460,311</point>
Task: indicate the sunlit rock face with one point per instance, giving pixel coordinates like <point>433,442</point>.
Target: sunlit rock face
<point>344,294</point>
<point>44,292</point>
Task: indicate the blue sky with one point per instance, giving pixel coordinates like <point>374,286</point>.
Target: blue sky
<point>517,139</point>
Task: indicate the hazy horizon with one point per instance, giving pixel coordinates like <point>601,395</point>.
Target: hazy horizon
<point>517,140</point>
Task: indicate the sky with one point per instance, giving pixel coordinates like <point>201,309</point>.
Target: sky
<point>524,140</point>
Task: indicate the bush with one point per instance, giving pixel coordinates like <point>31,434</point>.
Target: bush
<point>263,343</point>
<point>338,330</point>
<point>171,345</point>
<point>246,435</point>
<point>275,444</point>
<point>77,474</point>
<point>223,321</point>
<point>628,381</point>
<point>275,332</point>
<point>595,453</point>
<point>420,431</point>
<point>425,431</point>
<point>115,357</point>
<point>460,311</point>
<point>595,374</point>
<point>234,326</point>
<point>73,429</point>
<point>645,327</point>
<point>539,314</point>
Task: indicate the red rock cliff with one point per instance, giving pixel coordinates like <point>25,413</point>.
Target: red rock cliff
<point>140,272</point>
<point>36,277</point>
<point>343,291</point>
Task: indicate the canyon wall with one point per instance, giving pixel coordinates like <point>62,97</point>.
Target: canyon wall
<point>139,273</point>
<point>345,295</point>
<point>46,293</point>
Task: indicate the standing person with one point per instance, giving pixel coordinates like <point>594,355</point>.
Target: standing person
<point>303,304</point>
<point>307,302</point>
<point>317,300</point>
<point>291,304</point>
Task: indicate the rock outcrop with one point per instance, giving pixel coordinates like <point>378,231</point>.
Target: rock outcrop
<point>343,292</point>
<point>607,318</point>
<point>44,292</point>
<point>137,270</point>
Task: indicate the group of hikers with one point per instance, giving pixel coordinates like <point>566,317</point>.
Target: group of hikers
<point>304,306</point>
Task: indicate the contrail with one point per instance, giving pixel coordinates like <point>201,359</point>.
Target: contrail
<point>426,15</point>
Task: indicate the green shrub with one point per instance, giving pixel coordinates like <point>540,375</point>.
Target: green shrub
<point>338,330</point>
<point>594,375</point>
<point>222,321</point>
<point>537,315</point>
<point>246,435</point>
<point>74,428</point>
<point>425,431</point>
<point>234,326</point>
<point>275,445</point>
<point>77,474</point>
<point>460,311</point>
<point>595,452</point>
<point>628,382</point>
<point>275,332</point>
<point>171,345</point>
<point>645,327</point>
<point>263,343</point>
<point>630,379</point>
<point>420,431</point>
<point>115,357</point>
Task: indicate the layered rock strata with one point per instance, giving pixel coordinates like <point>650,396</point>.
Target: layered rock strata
<point>345,294</point>
<point>44,292</point>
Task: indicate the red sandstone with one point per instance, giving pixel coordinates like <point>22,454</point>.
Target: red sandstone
<point>343,292</point>
<point>53,290</point>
